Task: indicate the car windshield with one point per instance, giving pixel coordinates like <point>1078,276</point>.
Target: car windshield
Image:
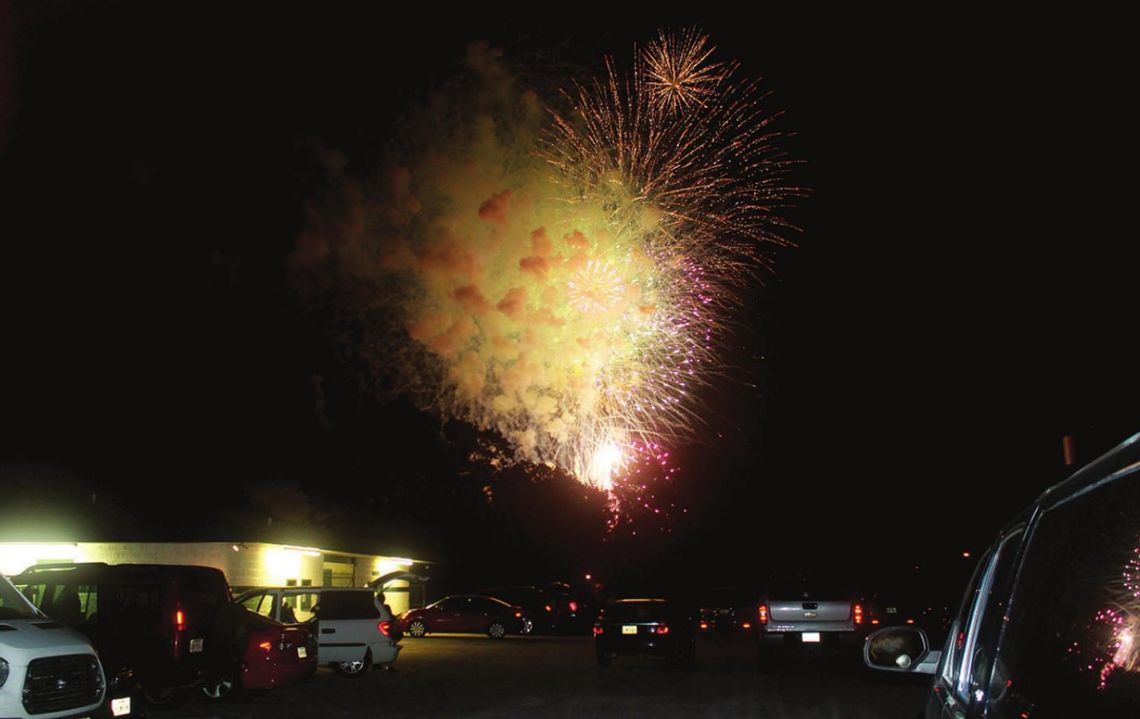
<point>12,603</point>
<point>637,610</point>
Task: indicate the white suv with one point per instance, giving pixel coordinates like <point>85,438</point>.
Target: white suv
<point>354,630</point>
<point>46,670</point>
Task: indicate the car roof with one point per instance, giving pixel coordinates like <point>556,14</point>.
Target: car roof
<point>1103,470</point>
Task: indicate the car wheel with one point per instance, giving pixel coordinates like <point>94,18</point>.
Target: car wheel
<point>496,630</point>
<point>527,627</point>
<point>417,629</point>
<point>225,686</point>
<point>604,659</point>
<point>354,669</point>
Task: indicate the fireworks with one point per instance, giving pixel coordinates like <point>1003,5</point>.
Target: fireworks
<point>566,285</point>
<point>677,73</point>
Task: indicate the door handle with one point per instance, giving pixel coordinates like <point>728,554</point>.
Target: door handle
<point>328,631</point>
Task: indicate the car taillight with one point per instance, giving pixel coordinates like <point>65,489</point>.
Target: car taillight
<point>704,625</point>
<point>874,621</point>
<point>518,615</point>
<point>746,625</point>
<point>265,646</point>
<point>857,610</point>
<point>599,629</point>
<point>573,606</point>
<point>179,620</point>
<point>385,627</point>
<point>547,607</point>
<point>663,629</point>
<point>763,613</point>
<point>910,621</point>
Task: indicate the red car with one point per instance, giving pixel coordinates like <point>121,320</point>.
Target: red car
<point>467,613</point>
<point>276,655</point>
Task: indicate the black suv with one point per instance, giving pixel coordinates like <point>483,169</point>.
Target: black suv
<point>1050,623</point>
<point>173,625</point>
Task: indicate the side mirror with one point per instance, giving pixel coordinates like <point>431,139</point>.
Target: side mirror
<point>900,649</point>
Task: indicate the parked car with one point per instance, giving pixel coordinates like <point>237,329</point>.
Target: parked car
<point>551,609</point>
<point>167,627</point>
<point>802,610</point>
<point>650,626</point>
<point>354,630</point>
<point>1049,625</point>
<point>276,655</point>
<point>727,611</point>
<point>467,613</point>
<point>47,670</point>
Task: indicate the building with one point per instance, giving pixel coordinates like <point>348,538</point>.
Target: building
<point>246,564</point>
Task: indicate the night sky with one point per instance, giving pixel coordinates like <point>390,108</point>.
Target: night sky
<point>960,298</point>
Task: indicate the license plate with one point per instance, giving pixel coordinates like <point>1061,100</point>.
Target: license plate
<point>121,707</point>
<point>811,637</point>
<point>628,629</point>
<point>892,610</point>
<point>302,652</point>
<point>195,645</point>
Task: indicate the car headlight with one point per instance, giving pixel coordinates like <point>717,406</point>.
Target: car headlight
<point>3,672</point>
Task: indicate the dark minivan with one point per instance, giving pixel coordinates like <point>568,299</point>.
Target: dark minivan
<point>173,625</point>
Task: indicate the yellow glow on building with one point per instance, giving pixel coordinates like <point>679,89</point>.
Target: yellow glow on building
<point>15,558</point>
<point>281,564</point>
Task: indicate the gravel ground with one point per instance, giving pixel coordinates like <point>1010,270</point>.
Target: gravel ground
<point>452,676</point>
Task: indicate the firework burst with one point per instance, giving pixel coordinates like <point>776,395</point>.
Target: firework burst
<point>564,277</point>
<point>677,73</point>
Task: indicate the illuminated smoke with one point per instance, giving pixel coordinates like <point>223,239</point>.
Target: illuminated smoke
<point>561,274</point>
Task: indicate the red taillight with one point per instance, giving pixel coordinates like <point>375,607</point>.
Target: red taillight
<point>874,621</point>
<point>518,615</point>
<point>385,627</point>
<point>548,608</point>
<point>573,606</point>
<point>746,625</point>
<point>179,620</point>
<point>704,625</point>
<point>857,610</point>
<point>265,646</point>
<point>763,613</point>
<point>910,621</point>
<point>599,629</point>
<point>663,629</point>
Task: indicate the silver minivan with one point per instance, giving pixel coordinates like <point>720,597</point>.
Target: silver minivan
<point>1050,623</point>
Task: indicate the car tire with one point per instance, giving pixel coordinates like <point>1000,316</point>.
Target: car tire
<point>417,629</point>
<point>354,670</point>
<point>496,630</point>
<point>225,687</point>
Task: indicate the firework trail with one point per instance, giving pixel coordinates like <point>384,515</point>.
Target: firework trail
<point>561,274</point>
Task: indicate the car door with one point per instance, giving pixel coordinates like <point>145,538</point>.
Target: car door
<point>346,624</point>
<point>447,615</point>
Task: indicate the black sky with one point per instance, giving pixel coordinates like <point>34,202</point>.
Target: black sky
<point>961,296</point>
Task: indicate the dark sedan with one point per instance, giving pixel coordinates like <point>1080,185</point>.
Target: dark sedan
<point>467,613</point>
<point>655,627</point>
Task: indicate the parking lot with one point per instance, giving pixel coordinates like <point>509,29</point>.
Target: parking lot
<point>467,676</point>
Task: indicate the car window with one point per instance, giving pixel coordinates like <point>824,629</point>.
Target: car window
<point>1071,644</point>
<point>262,604</point>
<point>956,642</point>
<point>12,605</point>
<point>302,604</point>
<point>251,603</point>
<point>636,611</point>
<point>348,605</point>
<point>985,620</point>
<point>452,604</point>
